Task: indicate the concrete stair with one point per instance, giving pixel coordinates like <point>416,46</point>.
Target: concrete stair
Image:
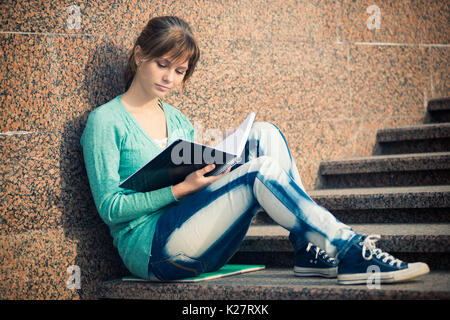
<point>434,137</point>
<point>278,284</point>
<point>402,192</point>
<point>416,169</point>
<point>438,110</point>
<point>387,204</point>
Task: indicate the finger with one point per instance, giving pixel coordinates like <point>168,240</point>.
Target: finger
<point>226,171</point>
<point>209,167</point>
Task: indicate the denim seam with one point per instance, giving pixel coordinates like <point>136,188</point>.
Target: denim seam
<point>183,267</point>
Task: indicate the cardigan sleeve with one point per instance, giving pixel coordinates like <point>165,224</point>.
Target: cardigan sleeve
<point>101,140</point>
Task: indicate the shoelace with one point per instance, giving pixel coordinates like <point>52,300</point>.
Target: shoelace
<point>319,251</point>
<point>369,245</point>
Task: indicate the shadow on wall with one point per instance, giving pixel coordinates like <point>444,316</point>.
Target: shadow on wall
<point>95,255</point>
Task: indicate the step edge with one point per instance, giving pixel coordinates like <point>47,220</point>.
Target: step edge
<point>379,164</point>
<point>384,191</point>
<point>385,157</point>
<point>414,132</point>
<point>278,231</point>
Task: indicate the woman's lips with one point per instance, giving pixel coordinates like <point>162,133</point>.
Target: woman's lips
<point>162,88</point>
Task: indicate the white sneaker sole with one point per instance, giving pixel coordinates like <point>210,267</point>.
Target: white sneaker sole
<point>414,270</point>
<point>315,272</point>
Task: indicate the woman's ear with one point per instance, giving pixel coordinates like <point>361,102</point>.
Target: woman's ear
<point>137,55</point>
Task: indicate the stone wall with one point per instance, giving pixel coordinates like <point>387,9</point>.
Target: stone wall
<point>329,74</point>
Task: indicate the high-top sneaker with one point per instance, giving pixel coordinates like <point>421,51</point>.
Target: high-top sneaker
<point>363,262</point>
<point>313,261</point>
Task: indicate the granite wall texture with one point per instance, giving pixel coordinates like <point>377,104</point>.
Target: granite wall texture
<point>317,69</point>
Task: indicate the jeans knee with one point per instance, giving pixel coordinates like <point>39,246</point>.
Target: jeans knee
<point>264,160</point>
<point>264,165</point>
<point>265,138</point>
<point>261,129</point>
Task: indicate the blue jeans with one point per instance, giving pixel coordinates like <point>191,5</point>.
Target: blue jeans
<point>203,231</point>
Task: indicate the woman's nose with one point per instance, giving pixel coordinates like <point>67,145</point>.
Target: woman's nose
<point>168,76</point>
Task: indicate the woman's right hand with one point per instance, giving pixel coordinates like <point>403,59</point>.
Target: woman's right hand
<point>196,181</point>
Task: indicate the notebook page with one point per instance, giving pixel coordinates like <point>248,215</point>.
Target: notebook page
<point>235,142</point>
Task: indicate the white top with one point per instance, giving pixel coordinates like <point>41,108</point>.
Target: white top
<point>161,142</point>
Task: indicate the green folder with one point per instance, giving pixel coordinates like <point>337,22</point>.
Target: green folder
<point>225,271</point>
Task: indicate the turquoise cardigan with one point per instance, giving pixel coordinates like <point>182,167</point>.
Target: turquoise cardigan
<point>114,146</point>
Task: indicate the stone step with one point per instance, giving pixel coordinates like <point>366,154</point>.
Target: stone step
<point>416,169</point>
<point>278,284</point>
<point>432,240</point>
<point>378,205</point>
<point>438,110</point>
<point>383,198</point>
<point>439,104</point>
<point>395,237</point>
<point>427,242</point>
<point>414,139</point>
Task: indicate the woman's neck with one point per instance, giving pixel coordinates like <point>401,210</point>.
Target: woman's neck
<point>138,100</point>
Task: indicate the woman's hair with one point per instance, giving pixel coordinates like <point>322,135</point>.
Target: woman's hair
<point>163,35</point>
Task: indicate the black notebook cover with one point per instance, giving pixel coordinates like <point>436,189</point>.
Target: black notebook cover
<point>177,161</point>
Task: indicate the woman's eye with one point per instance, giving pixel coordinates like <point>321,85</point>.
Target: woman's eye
<point>162,65</point>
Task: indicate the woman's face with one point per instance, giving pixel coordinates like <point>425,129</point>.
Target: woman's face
<point>161,75</point>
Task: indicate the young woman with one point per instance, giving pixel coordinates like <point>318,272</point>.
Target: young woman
<point>197,225</point>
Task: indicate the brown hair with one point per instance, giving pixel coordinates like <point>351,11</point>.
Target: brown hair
<point>163,35</point>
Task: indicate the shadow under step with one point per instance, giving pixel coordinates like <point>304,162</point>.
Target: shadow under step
<point>278,284</point>
<point>414,139</point>
<point>417,169</point>
<point>438,110</point>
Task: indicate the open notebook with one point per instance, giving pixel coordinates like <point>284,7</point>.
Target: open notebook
<point>182,157</point>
